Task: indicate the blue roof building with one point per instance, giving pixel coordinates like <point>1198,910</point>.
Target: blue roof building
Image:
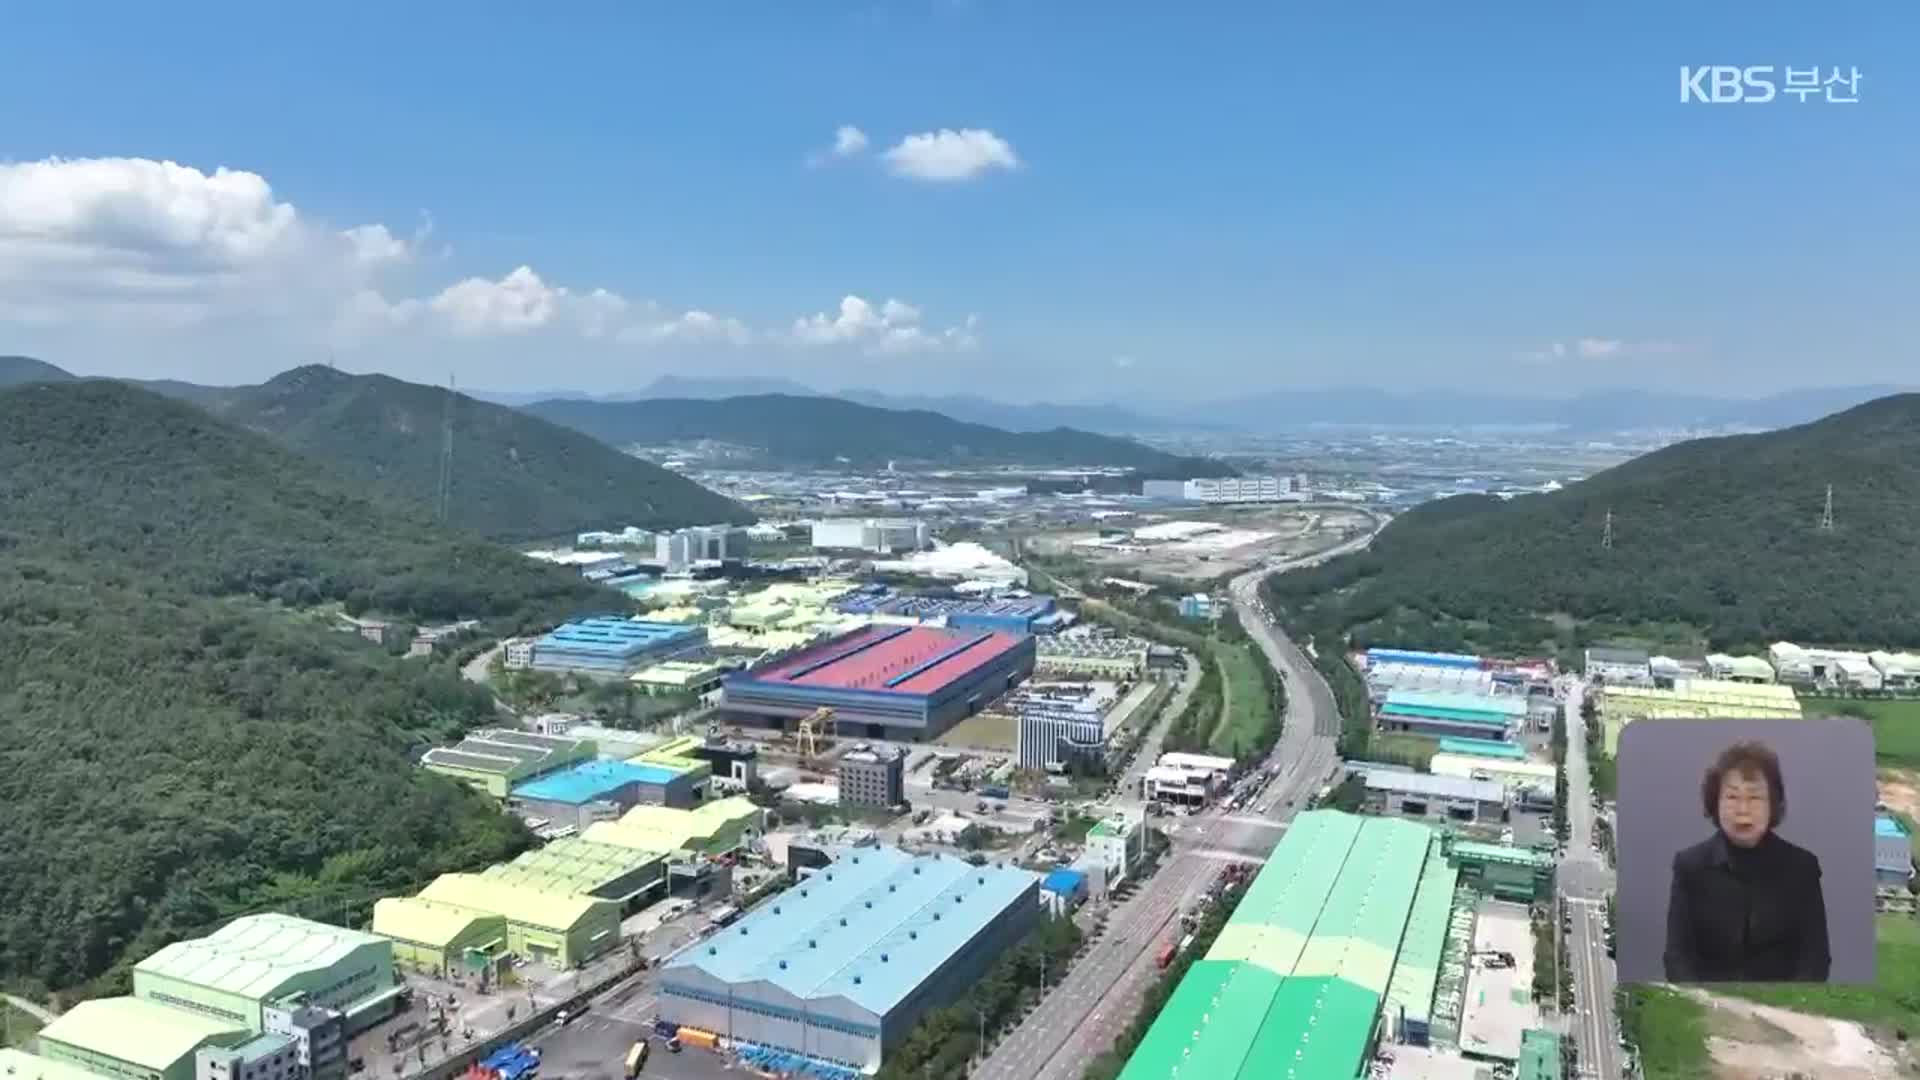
<point>1892,851</point>
<point>1063,890</point>
<point>564,795</point>
<point>1417,656</point>
<point>841,965</point>
<point>613,646</point>
<point>1474,716</point>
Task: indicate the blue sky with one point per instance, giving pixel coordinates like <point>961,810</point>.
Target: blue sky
<point>1198,203</point>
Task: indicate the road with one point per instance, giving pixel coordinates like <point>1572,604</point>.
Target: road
<point>1079,1020</point>
<point>37,1011</point>
<point>1584,882</point>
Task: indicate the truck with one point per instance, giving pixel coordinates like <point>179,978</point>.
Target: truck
<point>1165,956</point>
<point>636,1057</point>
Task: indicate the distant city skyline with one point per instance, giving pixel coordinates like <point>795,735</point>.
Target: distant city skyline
<point>962,198</point>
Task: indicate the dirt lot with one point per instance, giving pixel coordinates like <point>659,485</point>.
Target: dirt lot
<point>1900,789</point>
<point>1273,531</point>
<point>1760,1042</point>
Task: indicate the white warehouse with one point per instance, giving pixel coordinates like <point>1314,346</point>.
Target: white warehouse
<point>840,966</point>
<point>882,536</point>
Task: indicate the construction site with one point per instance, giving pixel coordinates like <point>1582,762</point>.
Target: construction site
<point>1204,543</point>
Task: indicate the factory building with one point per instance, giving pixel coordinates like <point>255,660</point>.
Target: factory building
<point>1528,784</point>
<point>1836,669</point>
<point>1058,732</point>
<point>1185,779</point>
<point>1625,667</point>
<point>559,930</point>
<point>597,790</point>
<point>1704,699</point>
<point>678,677</point>
<point>1021,615</point>
<point>680,549</point>
<point>1428,659</point>
<point>1892,851</point>
<point>1228,489</point>
<point>1421,795</point>
<point>840,966</point>
<point>1473,716</point>
<point>1898,671</point>
<point>1201,606</point>
<point>241,971</point>
<point>1336,942</point>
<point>872,776</point>
<point>716,828</point>
<point>303,982</point>
<point>1385,676</point>
<point>886,682</point>
<point>438,939</point>
<point>613,647</point>
<point>1120,659</point>
<point>493,760</point>
<point>731,767</point>
<point>126,1038</point>
<point>1502,870</point>
<point>882,536</point>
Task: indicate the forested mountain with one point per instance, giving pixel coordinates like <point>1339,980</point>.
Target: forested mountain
<point>514,476</point>
<point>1719,536</point>
<point>15,370</point>
<point>179,739</point>
<point>823,431</point>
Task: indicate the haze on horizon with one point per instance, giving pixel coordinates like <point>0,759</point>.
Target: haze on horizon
<point>948,197</point>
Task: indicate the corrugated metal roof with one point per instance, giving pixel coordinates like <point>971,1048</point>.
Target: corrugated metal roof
<point>1453,744</point>
<point>20,1065</point>
<point>1539,1055</point>
<point>660,828</point>
<point>1511,705</point>
<point>1292,985</point>
<point>517,903</point>
<point>255,955</point>
<point>1417,969</point>
<point>1502,853</point>
<point>145,1033</point>
<point>870,927</point>
<point>590,780</point>
<point>1436,787</point>
<point>423,922</point>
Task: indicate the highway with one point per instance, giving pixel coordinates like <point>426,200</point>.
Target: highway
<point>1079,1019</point>
<point>1584,882</point>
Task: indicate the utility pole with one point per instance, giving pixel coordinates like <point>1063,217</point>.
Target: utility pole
<point>1826,515</point>
<point>1606,535</point>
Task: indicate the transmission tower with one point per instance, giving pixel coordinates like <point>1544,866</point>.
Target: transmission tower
<point>446,452</point>
<point>1606,534</point>
<point>1826,515</point>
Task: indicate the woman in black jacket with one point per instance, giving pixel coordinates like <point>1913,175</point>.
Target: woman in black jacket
<point>1746,905</point>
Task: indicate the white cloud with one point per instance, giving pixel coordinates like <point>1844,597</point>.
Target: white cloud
<point>848,141</point>
<point>949,155</point>
<point>130,247</point>
<point>1594,348</point>
<point>144,241</point>
<point>1123,362</point>
<point>893,327</point>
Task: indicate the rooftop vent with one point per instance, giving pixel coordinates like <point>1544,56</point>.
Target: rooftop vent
<point>812,944</point>
<point>783,965</point>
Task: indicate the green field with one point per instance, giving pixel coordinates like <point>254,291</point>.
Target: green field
<point>1670,1030</point>
<point>1896,726</point>
<point>1892,1002</point>
<point>1249,712</point>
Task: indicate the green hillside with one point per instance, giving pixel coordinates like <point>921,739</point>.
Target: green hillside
<point>1715,543</point>
<point>514,476</point>
<point>179,739</point>
<point>15,370</point>
<point>792,430</point>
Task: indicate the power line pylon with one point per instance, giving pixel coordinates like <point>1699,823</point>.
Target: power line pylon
<point>1606,533</point>
<point>1826,515</point>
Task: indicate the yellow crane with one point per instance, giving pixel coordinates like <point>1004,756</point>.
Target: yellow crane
<point>812,727</point>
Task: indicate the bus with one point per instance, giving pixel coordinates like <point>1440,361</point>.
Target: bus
<point>636,1057</point>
